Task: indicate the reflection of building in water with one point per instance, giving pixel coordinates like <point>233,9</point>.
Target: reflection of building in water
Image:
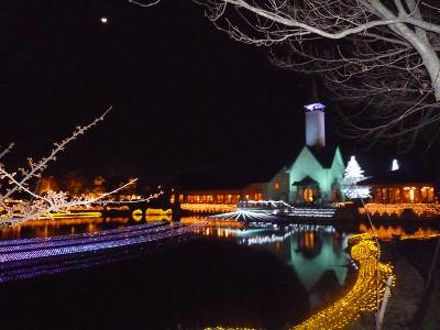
<point>311,269</point>
<point>313,177</point>
<point>46,228</point>
<point>309,244</point>
<point>337,240</point>
<point>325,289</point>
<point>386,233</point>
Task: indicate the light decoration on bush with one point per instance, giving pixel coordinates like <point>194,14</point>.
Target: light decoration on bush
<point>365,295</point>
<point>352,175</point>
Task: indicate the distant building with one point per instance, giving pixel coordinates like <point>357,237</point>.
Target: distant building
<point>314,177</point>
<point>399,186</point>
<point>395,192</point>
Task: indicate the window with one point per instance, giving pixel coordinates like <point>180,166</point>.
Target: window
<point>308,195</point>
<point>277,185</point>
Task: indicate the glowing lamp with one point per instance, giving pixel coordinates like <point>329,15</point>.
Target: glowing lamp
<point>104,20</point>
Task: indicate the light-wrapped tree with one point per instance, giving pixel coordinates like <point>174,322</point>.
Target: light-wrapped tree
<point>352,175</point>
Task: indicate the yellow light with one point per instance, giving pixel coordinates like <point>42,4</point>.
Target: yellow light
<point>366,294</point>
<point>153,218</point>
<point>211,222</point>
<point>152,211</point>
<point>208,208</point>
<point>419,209</point>
<point>369,286</point>
<point>67,215</point>
<point>137,215</point>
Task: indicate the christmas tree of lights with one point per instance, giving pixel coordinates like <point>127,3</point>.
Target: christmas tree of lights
<point>352,175</point>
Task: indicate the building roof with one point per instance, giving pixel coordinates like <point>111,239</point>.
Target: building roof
<point>324,155</point>
<point>399,177</point>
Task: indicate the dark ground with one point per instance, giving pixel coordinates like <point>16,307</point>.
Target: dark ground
<point>200,283</point>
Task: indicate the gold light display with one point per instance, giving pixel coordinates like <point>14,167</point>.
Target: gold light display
<point>365,295</point>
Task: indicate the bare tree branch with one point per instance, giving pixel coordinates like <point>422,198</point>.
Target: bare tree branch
<point>383,54</point>
<point>36,205</point>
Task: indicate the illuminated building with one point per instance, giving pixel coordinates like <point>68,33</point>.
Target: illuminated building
<point>314,176</point>
<point>317,172</point>
<point>398,191</point>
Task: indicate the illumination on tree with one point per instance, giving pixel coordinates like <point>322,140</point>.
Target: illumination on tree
<point>352,175</point>
<point>394,165</point>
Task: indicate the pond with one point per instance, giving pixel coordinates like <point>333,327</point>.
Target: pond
<point>261,275</point>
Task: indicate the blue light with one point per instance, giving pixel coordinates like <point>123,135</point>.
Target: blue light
<point>314,106</point>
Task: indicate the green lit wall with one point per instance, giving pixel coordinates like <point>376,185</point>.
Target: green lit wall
<point>307,165</point>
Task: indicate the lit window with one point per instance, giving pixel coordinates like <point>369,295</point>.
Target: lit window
<point>277,185</point>
<point>308,195</point>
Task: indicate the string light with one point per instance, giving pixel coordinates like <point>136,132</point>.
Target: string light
<point>207,208</point>
<point>22,258</point>
<point>419,209</point>
<point>365,295</point>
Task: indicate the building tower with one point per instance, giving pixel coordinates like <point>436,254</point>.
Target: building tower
<point>315,119</point>
<point>315,125</point>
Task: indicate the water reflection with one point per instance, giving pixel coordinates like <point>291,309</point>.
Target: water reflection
<point>389,232</point>
<point>315,252</point>
<point>56,227</point>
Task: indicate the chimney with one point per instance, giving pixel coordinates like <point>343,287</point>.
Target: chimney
<point>315,124</point>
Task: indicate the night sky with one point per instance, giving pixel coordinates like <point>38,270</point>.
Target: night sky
<point>184,95</point>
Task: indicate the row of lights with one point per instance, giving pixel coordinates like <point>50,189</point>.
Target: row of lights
<point>207,208</point>
<point>419,209</point>
<point>30,249</point>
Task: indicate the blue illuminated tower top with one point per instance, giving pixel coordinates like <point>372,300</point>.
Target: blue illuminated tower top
<point>315,120</point>
<point>318,106</point>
